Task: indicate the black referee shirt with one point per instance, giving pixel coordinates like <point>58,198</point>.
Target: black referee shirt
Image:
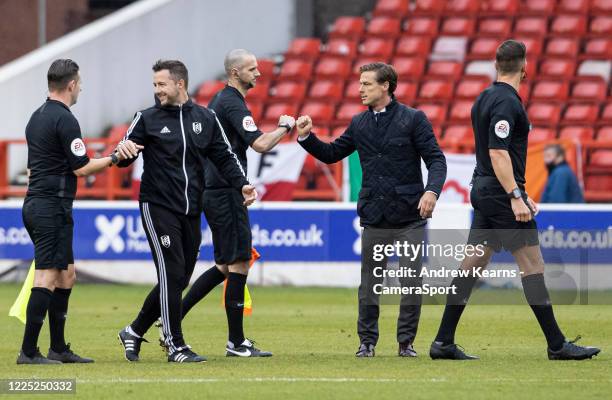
<point>500,121</point>
<point>240,129</point>
<point>55,149</point>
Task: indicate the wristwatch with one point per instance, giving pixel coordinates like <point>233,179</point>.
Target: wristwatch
<point>114,159</point>
<point>286,126</point>
<point>514,194</point>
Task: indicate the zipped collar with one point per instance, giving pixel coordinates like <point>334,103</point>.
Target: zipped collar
<point>185,106</point>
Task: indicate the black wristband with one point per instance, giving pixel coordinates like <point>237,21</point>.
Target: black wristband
<point>114,159</point>
<point>286,126</point>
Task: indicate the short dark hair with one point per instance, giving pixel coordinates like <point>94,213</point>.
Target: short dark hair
<point>510,56</point>
<point>557,148</point>
<point>384,73</point>
<point>177,70</point>
<point>60,73</point>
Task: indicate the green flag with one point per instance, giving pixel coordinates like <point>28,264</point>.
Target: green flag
<point>354,175</point>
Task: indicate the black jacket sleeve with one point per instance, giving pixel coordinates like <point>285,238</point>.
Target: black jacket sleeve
<point>136,133</point>
<point>332,152</point>
<point>427,146</point>
<point>219,151</point>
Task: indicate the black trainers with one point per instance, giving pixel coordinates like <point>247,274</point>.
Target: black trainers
<point>162,336</point>
<point>365,350</point>
<point>570,351</point>
<point>68,357</point>
<point>246,349</point>
<point>439,351</point>
<point>37,358</point>
<point>131,344</point>
<point>185,355</point>
<point>406,350</point>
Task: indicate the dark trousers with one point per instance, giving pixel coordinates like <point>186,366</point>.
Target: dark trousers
<point>369,301</point>
<point>175,241</point>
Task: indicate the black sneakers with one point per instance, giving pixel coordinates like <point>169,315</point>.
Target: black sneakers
<point>365,350</point>
<point>131,344</point>
<point>37,358</point>
<point>406,350</point>
<point>246,349</point>
<point>68,357</point>
<point>439,351</point>
<point>185,355</point>
<point>570,351</point>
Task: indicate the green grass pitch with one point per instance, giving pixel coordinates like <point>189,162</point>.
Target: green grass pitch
<point>312,334</point>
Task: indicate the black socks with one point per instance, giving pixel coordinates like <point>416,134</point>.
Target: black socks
<point>58,308</point>
<point>455,304</point>
<point>35,317</point>
<point>539,300</point>
<point>201,287</point>
<point>234,306</point>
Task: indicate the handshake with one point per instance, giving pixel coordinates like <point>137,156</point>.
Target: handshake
<point>303,123</point>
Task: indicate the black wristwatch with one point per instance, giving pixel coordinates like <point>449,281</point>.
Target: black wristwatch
<point>286,126</point>
<point>514,194</point>
<point>114,159</point>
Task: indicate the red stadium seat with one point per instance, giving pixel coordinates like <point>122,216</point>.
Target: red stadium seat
<point>544,114</point>
<point>602,159</point>
<point>260,92</point>
<point>538,7</point>
<point>333,68</point>
<point>445,69</point>
<point>384,27</point>
<point>458,26</point>
<point>363,61</point>
<point>321,113</point>
<point>208,89</point>
<point>604,134</point>
<point>589,90</point>
<point>499,7</point>
<point>470,88</point>
<point>541,134</point>
<point>601,26</point>
<point>256,109</point>
<point>599,7</point>
<point>274,111</point>
<point>573,6</point>
<point>535,26</point>
<point>413,46</point>
<point>266,69</point>
<point>391,8</point>
<point>348,27</point>
<point>598,183</point>
<point>409,67</point>
<point>550,91</point>
<point>117,132</point>
<point>462,7</point>
<point>461,111</point>
<point>599,48</point>
<point>320,130</point>
<point>557,68</point>
<point>580,114</point>
<point>298,70</point>
<point>421,26</point>
<point>341,47</point>
<point>495,27</point>
<point>351,92</point>
<point>436,90</point>
<point>572,25</point>
<point>304,48</point>
<point>435,112</point>
<point>347,111</point>
<point>534,45</point>
<point>428,7</point>
<point>288,91</point>
<point>484,48</point>
<point>580,133</point>
<point>457,134</point>
<point>566,48</point>
<point>376,47</point>
<point>405,92</point>
<point>330,91</point>
<point>606,113</point>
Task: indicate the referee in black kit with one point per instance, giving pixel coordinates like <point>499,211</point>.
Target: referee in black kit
<point>56,156</point>
<point>391,139</point>
<point>503,213</point>
<point>227,217</point>
<point>175,136</point>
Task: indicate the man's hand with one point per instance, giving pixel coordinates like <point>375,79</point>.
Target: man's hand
<point>128,149</point>
<point>286,120</point>
<point>427,204</point>
<point>304,125</point>
<point>522,213</point>
<point>534,207</point>
<point>250,194</point>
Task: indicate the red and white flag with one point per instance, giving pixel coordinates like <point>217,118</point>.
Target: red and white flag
<point>275,173</point>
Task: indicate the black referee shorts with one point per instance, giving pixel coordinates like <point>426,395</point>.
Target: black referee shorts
<point>229,223</point>
<point>49,223</point>
<point>494,223</point>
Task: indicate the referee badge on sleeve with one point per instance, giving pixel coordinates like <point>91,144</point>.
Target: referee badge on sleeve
<point>78,147</point>
<point>249,124</point>
<point>502,129</point>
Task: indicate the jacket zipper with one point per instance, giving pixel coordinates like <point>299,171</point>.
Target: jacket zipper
<point>184,155</point>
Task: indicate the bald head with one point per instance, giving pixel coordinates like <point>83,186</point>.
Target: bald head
<point>241,68</point>
<point>236,59</point>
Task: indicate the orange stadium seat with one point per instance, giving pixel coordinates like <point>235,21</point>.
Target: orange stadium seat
<point>462,7</point>
<point>469,88</point>
<point>601,26</point>
<point>495,27</point>
<point>445,69</point>
<point>260,92</point>
<point>545,114</point>
<point>326,90</point>
<point>413,46</point>
<point>580,133</point>
<point>298,70</point>
<point>436,90</point>
<point>550,90</point>
<point>542,134</point>
<point>573,6</point>
<point>383,27</point>
<point>537,7</point>
<point>599,48</point>
<point>458,26</point>
<point>288,91</point>
<point>377,47</point>
<point>461,111</point>
<point>320,112</point>
<point>348,27</point>
<point>573,25</point>
<point>557,68</point>
<point>589,90</point>
<point>535,26</point>
<point>408,67</point>
<point>562,47</point>
<point>341,47</point>
<point>580,114</point>
<point>435,112</point>
<point>406,92</point>
<point>304,48</point>
<point>391,8</point>
<point>333,68</point>
<point>421,26</point>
